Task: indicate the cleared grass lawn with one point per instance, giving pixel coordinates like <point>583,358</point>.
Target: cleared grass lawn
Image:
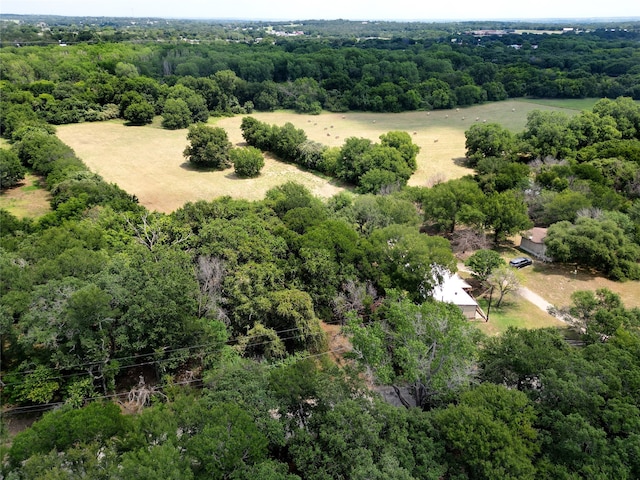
<point>556,283</point>
<point>147,161</point>
<point>27,199</point>
<point>515,311</point>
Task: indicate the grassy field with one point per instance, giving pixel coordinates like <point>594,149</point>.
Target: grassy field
<point>147,161</point>
<point>27,199</point>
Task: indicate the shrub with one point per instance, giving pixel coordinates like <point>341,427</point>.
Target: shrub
<point>247,162</point>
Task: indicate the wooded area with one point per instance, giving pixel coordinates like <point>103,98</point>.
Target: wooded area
<point>192,344</point>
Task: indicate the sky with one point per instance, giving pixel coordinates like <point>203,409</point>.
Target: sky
<point>414,10</point>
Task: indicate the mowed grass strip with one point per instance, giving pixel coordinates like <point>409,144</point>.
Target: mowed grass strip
<point>147,161</point>
<point>579,104</point>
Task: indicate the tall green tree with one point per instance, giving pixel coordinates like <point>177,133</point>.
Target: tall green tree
<point>11,170</point>
<point>448,204</point>
<point>596,243</point>
<point>549,134</point>
<point>403,258</point>
<point>488,140</point>
<point>195,102</point>
<point>505,214</point>
<point>209,147</point>
<point>229,441</point>
<point>176,114</point>
<point>402,142</point>
<point>490,434</point>
<point>429,348</point>
<point>624,111</point>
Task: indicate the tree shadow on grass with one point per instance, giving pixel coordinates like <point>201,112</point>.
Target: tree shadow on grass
<point>570,272</point>
<point>234,176</point>
<point>461,162</point>
<point>196,168</point>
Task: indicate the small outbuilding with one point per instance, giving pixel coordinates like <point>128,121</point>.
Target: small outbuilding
<point>455,290</point>
<point>533,242</point>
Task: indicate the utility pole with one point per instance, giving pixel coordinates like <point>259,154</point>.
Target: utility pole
<point>489,307</point>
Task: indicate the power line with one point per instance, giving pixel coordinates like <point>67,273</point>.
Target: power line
<point>165,360</point>
<point>51,406</point>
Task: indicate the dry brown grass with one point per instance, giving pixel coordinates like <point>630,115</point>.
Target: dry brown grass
<point>148,162</point>
<point>27,199</point>
<point>556,283</point>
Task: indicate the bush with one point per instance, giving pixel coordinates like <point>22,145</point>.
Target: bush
<point>11,170</point>
<point>140,113</point>
<point>247,162</point>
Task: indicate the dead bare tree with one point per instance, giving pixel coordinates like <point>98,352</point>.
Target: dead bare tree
<point>468,240</point>
<point>355,297</point>
<point>154,229</point>
<point>436,179</point>
<point>142,393</point>
<point>210,273</point>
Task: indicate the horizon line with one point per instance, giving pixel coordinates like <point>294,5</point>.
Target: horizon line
<point>395,20</point>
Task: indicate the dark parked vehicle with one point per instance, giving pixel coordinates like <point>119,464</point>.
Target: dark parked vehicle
<point>521,262</point>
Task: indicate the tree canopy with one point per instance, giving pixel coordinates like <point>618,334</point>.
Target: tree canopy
<point>192,344</point>
<point>209,147</point>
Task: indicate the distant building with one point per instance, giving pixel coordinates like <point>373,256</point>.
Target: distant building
<point>533,243</point>
<point>485,33</point>
<point>455,290</point>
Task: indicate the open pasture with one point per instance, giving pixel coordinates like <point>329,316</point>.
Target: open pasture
<point>147,161</point>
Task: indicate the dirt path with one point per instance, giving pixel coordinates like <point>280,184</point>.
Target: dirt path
<point>537,300</point>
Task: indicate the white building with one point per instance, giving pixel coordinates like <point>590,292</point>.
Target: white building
<point>455,290</point>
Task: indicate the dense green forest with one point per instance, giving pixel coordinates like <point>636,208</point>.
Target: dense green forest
<point>94,79</point>
<point>193,344</point>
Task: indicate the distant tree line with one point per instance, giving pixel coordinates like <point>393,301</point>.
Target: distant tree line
<point>186,83</point>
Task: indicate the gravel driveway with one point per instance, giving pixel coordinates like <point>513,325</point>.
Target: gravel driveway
<point>525,293</point>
